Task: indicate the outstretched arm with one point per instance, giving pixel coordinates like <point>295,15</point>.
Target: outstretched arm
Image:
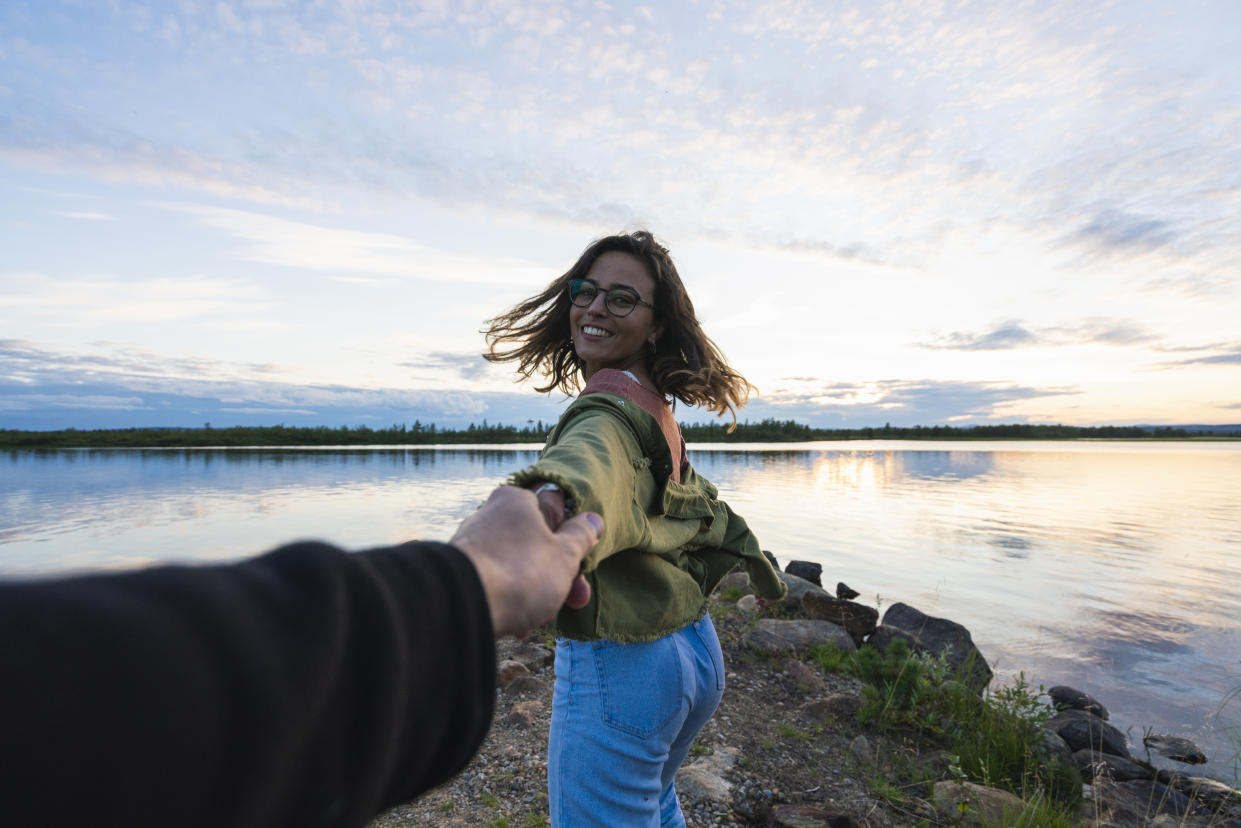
<point>309,686</point>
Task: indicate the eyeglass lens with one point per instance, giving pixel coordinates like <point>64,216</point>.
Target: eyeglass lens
<point>619,301</point>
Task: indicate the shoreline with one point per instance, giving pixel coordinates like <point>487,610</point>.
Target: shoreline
<point>785,748</point>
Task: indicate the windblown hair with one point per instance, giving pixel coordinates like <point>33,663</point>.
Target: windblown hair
<point>685,364</point>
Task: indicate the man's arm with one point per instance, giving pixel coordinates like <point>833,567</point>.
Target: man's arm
<point>308,686</point>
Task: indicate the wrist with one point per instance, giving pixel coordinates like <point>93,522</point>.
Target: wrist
<point>548,486</point>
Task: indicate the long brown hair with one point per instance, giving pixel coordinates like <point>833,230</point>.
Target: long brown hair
<point>684,363</point>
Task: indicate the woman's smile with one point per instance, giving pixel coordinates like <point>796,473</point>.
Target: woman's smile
<point>601,338</point>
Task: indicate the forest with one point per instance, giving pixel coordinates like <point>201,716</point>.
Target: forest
<point>415,434</point>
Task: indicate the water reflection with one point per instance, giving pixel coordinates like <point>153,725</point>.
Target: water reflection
<point>1113,568</point>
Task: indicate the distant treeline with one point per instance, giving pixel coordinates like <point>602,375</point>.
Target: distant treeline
<point>767,431</point>
<point>781,431</point>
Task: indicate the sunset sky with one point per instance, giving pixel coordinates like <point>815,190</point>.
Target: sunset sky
<point>268,211</point>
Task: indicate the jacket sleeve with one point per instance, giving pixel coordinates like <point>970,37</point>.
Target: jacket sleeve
<point>739,538</point>
<point>595,458</point>
<point>308,686</point>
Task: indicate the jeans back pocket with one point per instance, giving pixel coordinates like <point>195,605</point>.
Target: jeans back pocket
<point>640,685</point>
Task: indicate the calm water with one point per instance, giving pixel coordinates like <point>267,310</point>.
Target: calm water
<point>1114,567</point>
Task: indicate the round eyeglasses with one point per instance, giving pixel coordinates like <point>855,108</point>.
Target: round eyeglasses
<point>619,301</point>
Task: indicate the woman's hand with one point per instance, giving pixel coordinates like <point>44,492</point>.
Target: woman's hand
<point>526,570</point>
<point>551,504</point>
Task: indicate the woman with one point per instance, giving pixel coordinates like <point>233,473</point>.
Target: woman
<point>639,669</point>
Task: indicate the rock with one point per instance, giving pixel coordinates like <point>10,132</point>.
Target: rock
<point>858,620</point>
<point>517,719</point>
<point>772,560</point>
<point>773,635</point>
<point>704,781</point>
<point>1085,731</point>
<point>845,592</point>
<point>1175,748</point>
<point>934,764</point>
<point>806,569</point>
<point>1141,801</point>
<point>1067,698</point>
<point>1107,766</point>
<point>941,636</point>
<point>797,588</point>
<point>965,803</point>
<point>734,580</point>
<point>748,604</point>
<point>843,706</point>
<point>508,670</point>
<point>1215,795</point>
<point>805,678</point>
<point>808,816</point>
<point>1051,748</point>
<point>523,684</point>
<point>522,715</point>
<point>534,656</point>
<point>862,750</point>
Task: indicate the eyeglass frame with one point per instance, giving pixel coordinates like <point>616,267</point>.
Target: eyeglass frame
<point>607,294</point>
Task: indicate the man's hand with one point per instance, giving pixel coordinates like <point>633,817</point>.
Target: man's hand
<point>527,570</point>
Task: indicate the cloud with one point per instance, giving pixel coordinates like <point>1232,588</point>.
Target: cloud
<point>901,402</point>
<point>120,387</point>
<point>469,366</point>
<point>1003,336</point>
<point>108,300</point>
<point>288,243</point>
<point>35,402</point>
<point>1228,355</point>
<point>1120,230</point>
<point>1018,334</point>
<point>88,216</point>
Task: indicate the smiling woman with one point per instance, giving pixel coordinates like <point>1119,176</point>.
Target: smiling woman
<point>639,669</point>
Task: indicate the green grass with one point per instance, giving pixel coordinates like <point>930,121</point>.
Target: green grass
<point>789,732</point>
<point>994,737</point>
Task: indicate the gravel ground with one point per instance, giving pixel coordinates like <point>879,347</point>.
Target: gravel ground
<point>786,755</point>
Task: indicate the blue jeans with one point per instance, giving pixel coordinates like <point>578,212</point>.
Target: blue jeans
<point>623,718</point>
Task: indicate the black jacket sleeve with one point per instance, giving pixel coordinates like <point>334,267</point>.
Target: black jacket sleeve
<point>305,687</point>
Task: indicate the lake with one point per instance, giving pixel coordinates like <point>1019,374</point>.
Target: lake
<point>1114,567</point>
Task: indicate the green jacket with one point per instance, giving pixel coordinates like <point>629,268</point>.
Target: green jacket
<point>665,544</point>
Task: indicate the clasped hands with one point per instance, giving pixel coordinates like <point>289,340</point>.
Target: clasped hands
<point>528,565</point>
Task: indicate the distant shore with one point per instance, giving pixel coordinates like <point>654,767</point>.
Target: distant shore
<point>767,431</point>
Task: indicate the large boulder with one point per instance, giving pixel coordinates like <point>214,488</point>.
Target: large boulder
<point>858,620</point>
<point>938,636</point>
<point>1067,698</point>
<point>1051,748</point>
<point>1176,748</point>
<point>734,580</point>
<point>1216,796</point>
<point>1140,802</point>
<point>808,570</point>
<point>797,588</point>
<point>1085,731</point>
<point>968,804</point>
<point>773,635</point>
<point>1095,765</point>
